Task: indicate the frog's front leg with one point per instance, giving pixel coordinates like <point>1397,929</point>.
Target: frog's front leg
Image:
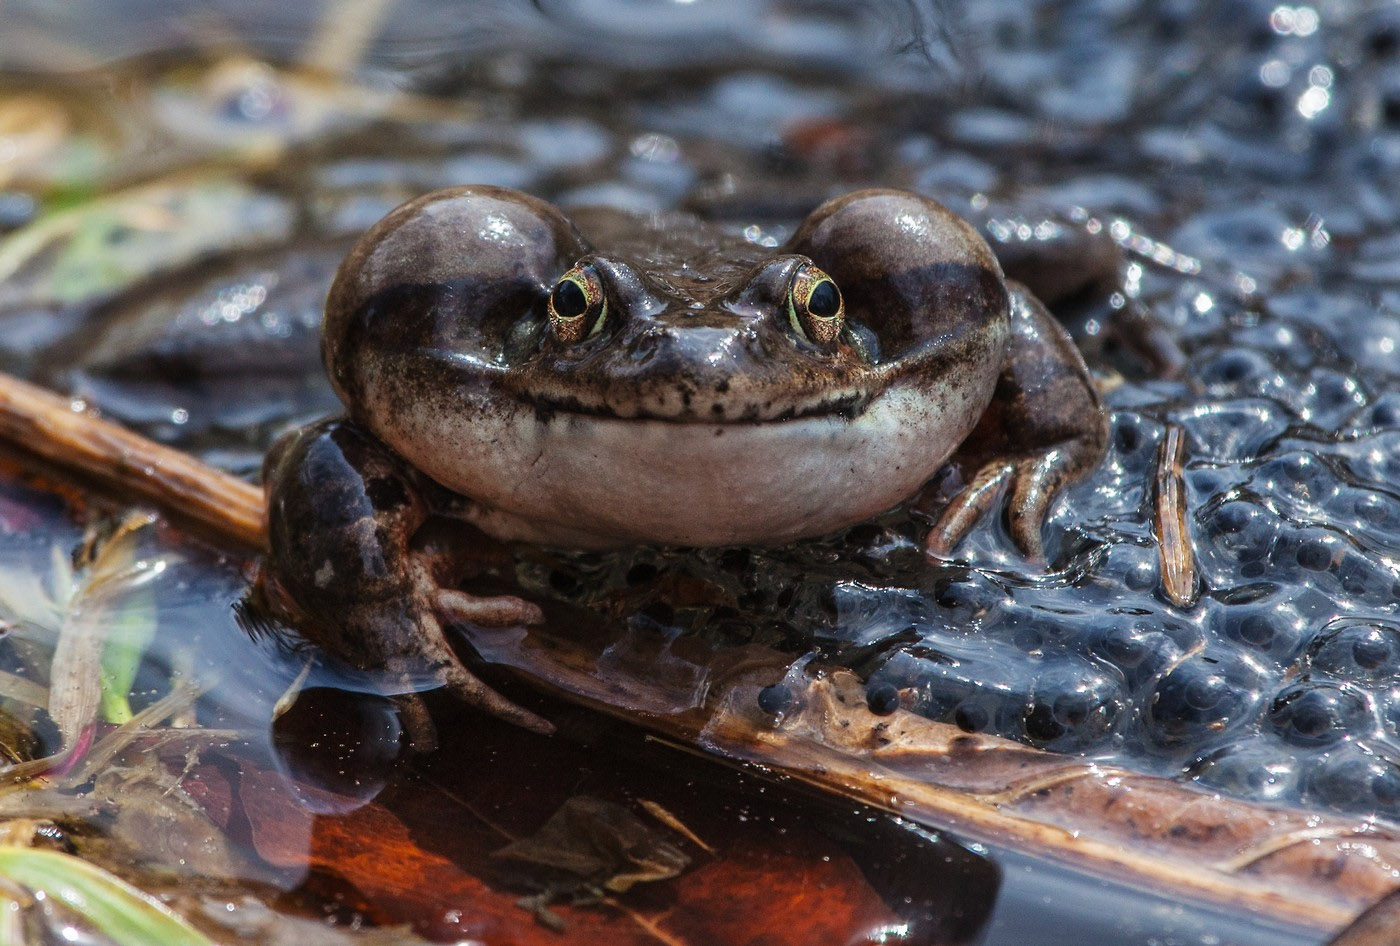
<point>343,513</point>
<point>1045,428</point>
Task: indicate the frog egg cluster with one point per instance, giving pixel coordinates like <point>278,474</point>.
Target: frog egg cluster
<point>1281,682</point>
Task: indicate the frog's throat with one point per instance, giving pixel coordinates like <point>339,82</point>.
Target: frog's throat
<point>584,481</point>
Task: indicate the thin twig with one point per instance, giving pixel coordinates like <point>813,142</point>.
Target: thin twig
<point>62,432</point>
<point>664,816</point>
<point>346,30</point>
<point>184,694</point>
<point>1175,550</point>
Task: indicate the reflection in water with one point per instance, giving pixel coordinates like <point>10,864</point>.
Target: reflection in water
<point>337,747</point>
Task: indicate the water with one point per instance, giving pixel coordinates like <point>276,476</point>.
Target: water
<point>1242,156</point>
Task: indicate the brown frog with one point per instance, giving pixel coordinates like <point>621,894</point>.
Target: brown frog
<point>614,380</point>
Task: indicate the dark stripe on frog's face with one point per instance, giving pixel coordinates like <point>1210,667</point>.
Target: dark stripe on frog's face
<point>680,341</point>
<point>917,274</point>
<point>448,272</point>
<point>735,358</point>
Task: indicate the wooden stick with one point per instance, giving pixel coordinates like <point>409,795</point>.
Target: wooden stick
<point>1175,550</point>
<point>62,432</point>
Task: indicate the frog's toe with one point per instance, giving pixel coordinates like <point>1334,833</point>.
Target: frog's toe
<point>494,611</point>
<point>1034,483</point>
<point>425,649</point>
<point>499,611</point>
<point>966,508</point>
<point>464,685</point>
<point>1033,487</point>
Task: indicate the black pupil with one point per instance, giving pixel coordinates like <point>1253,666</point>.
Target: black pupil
<point>568,299</point>
<point>824,301</point>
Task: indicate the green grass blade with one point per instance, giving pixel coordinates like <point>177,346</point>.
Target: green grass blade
<point>129,633</point>
<point>115,909</point>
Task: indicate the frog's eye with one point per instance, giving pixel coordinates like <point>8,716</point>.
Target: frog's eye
<point>815,306</point>
<point>578,308</point>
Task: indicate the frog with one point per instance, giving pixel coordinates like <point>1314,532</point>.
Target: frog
<point>596,380</point>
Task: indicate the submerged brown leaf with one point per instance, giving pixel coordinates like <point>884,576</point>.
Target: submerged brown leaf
<point>589,845</point>
<point>424,856</point>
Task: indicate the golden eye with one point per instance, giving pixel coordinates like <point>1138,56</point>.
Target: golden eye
<point>815,306</point>
<point>577,307</point>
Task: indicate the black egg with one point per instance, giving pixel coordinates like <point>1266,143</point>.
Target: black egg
<point>1254,768</point>
<point>774,698</point>
<point>1352,779</point>
<point>1071,707</point>
<point>1234,367</point>
<point>1318,714</point>
<point>1201,698</point>
<point>1244,532</point>
<point>1267,626</point>
<point>1142,650</point>
<point>975,714</point>
<point>1360,651</point>
<point>882,698</point>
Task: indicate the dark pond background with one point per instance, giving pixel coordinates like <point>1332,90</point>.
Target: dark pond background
<point>1242,156</point>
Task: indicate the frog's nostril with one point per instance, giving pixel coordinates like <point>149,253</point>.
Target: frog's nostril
<point>651,344</point>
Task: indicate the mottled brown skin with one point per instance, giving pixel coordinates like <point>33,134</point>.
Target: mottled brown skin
<point>1044,429</point>
<point>698,412</point>
<point>408,292</point>
<point>353,568</point>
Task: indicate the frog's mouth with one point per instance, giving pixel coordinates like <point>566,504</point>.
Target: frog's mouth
<point>591,475</point>
<point>684,408</point>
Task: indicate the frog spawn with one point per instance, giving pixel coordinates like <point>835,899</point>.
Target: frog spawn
<point>1280,684</point>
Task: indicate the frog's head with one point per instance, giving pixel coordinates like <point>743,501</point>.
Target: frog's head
<point>484,338</point>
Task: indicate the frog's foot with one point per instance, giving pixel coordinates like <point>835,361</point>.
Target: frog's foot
<point>353,574</point>
<point>1044,429</point>
<point>1034,482</point>
<point>449,605</point>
